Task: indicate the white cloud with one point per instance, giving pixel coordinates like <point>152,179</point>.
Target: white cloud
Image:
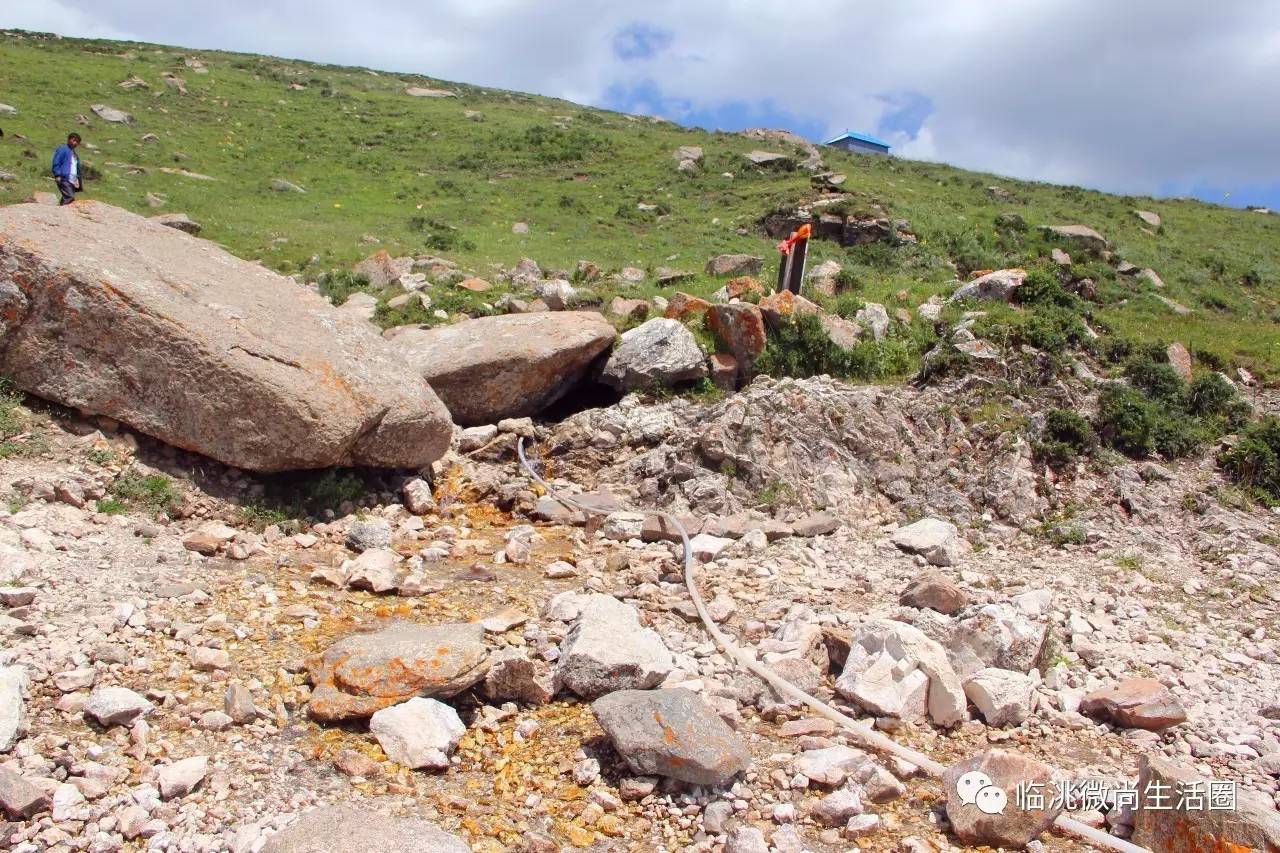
<point>1128,96</point>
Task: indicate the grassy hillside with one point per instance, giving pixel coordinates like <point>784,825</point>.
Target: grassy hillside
<point>450,176</point>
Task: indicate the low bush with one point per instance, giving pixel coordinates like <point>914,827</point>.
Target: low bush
<point>1158,380</point>
<point>133,490</point>
<point>1161,413</point>
<point>338,285</point>
<point>1067,436</point>
<point>1127,420</point>
<point>1254,461</point>
<point>1042,287</point>
<point>801,348</point>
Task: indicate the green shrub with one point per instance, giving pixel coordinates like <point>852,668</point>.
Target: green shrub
<point>440,236</point>
<point>338,285</point>
<point>11,422</point>
<point>1052,328</point>
<point>1158,380</point>
<point>1254,461</point>
<point>1066,437</point>
<point>1042,287</point>
<point>1127,420</point>
<point>801,348</point>
<point>1211,395</point>
<point>878,255</point>
<point>848,280</point>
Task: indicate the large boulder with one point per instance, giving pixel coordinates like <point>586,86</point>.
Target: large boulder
<point>110,313</point>
<point>671,733</point>
<point>607,650</point>
<point>507,366</point>
<point>357,830</point>
<point>364,673</point>
<point>418,734</point>
<point>111,114</point>
<point>657,353</point>
<point>741,326</point>
<point>1003,697</point>
<point>990,635</point>
<point>1149,217</point>
<point>13,683</point>
<point>381,269</point>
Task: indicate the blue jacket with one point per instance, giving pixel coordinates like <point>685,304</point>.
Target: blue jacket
<point>62,158</point>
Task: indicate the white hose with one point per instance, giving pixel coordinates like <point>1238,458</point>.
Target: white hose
<point>859,729</point>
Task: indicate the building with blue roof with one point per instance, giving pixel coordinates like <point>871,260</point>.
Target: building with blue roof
<point>861,143</point>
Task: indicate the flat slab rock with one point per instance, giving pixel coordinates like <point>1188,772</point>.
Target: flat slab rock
<point>358,830</point>
<point>508,366</point>
<point>671,733</point>
<point>1135,703</point>
<point>364,673</point>
<point>116,706</point>
<point>114,314</point>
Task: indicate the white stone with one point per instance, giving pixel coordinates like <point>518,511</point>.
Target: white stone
<point>13,686</point>
<point>421,733</point>
<point>934,539</point>
<point>181,777</point>
<point>1002,696</point>
<point>608,650</point>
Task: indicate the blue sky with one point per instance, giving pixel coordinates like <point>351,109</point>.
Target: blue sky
<point>1145,97</point>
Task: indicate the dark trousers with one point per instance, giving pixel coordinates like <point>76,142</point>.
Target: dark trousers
<point>67,189</point>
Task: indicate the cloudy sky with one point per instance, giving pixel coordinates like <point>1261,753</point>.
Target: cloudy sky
<point>1163,97</point>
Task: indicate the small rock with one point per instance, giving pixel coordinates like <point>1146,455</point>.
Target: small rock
<point>934,592</point>
<point>420,733</point>
<point>608,650</point>
<point>205,659</point>
<point>353,763</point>
<point>366,535</point>
<point>20,799</point>
<point>116,706</point>
<point>836,808</point>
<point>361,830</point>
<point>1003,770</point>
<point>418,498</point>
<point>181,777</point>
<point>376,570</point>
<point>746,839</point>
<point>514,677</point>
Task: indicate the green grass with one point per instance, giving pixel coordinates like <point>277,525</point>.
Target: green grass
<point>134,491</point>
<point>423,177</point>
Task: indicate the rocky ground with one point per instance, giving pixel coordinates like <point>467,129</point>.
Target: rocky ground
<point>820,510</point>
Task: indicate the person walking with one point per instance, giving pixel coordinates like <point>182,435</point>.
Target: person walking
<point>66,169</point>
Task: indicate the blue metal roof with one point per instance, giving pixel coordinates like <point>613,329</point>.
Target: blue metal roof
<point>861,137</point>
